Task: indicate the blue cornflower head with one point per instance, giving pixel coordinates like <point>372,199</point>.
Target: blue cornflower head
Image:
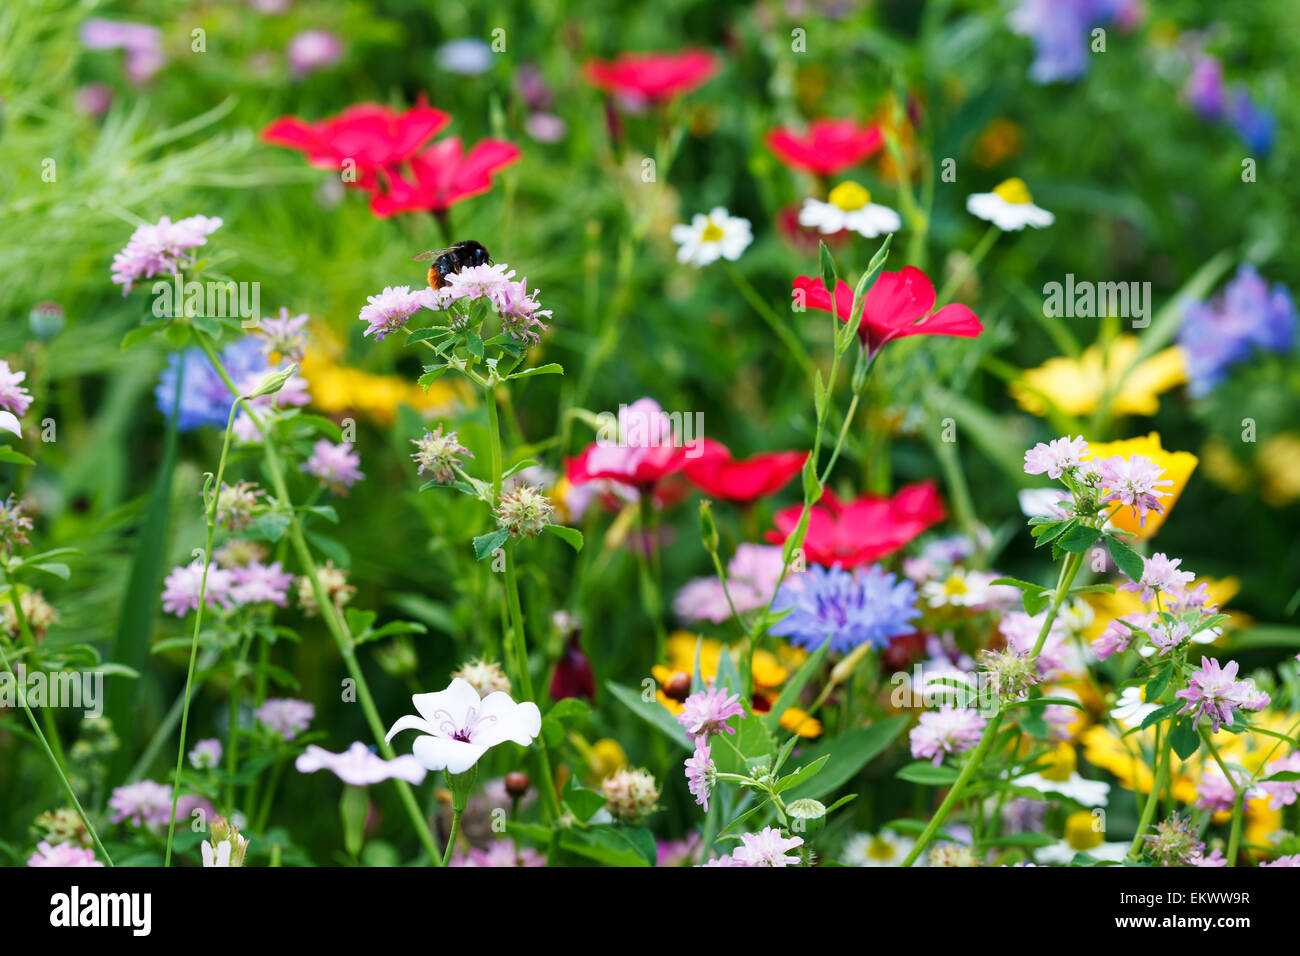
<point>205,399</point>
<point>849,608</point>
<point>1256,126</point>
<point>1249,315</point>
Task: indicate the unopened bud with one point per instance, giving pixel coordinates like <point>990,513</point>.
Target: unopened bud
<point>517,784</point>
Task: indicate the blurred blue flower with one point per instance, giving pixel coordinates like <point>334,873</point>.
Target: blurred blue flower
<point>1256,126</point>
<point>1248,316</point>
<point>1060,30</point>
<point>1204,88</point>
<point>848,608</point>
<point>205,399</point>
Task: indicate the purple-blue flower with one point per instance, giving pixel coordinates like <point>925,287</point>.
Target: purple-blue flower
<point>205,399</point>
<point>1256,126</point>
<point>1060,30</point>
<point>850,609</point>
<point>1248,316</point>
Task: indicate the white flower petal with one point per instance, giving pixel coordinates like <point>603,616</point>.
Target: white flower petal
<point>408,722</point>
<point>441,753</point>
<point>455,701</point>
<point>503,719</point>
<point>10,424</point>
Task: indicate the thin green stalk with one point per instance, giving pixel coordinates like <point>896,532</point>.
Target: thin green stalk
<point>1158,784</point>
<point>211,519</point>
<point>334,621</point>
<point>451,837</point>
<point>58,769</point>
<point>969,266</point>
<point>768,314</point>
<point>1238,797</point>
<point>24,629</point>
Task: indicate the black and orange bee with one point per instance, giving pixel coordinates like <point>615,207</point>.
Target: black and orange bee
<point>445,262</point>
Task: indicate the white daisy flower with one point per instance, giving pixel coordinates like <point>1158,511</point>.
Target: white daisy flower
<point>1130,710</point>
<point>708,238</point>
<point>1084,833</point>
<point>965,588</point>
<point>1009,207</point>
<point>883,849</point>
<point>849,206</point>
<point>1091,793</point>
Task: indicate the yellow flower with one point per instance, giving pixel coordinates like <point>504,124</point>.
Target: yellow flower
<point>339,388</point>
<point>1278,462</point>
<point>1077,386</point>
<point>1178,466</point>
<point>607,757</point>
<point>799,722</point>
<point>1221,467</point>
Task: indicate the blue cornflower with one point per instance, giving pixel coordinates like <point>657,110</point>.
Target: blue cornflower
<point>1256,126</point>
<point>205,399</point>
<point>1248,316</point>
<point>848,608</point>
<point>1060,31</point>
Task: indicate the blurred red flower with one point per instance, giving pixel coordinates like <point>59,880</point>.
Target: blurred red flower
<point>441,176</point>
<point>572,676</point>
<point>829,146</point>
<point>865,529</point>
<point>642,468</point>
<point>369,135</point>
<point>721,476</point>
<point>898,305</point>
<point>652,76</point>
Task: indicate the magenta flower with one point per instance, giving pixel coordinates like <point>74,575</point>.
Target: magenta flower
<point>256,583</point>
<point>358,766</point>
<point>1119,632</point>
<point>1133,482</point>
<point>707,712</point>
<point>1057,457</point>
<point>500,853</point>
<point>700,773</point>
<point>948,730</point>
<point>285,716</point>
<point>62,854</point>
<point>767,848</point>
<point>334,465</point>
<point>1213,692</point>
<point>142,43</point>
<point>181,588</point>
<point>391,309</point>
<point>1281,793</point>
<point>161,248</point>
<point>1160,575</point>
<point>13,395</point>
<point>148,803</point>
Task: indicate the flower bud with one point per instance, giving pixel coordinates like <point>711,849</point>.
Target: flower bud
<point>484,676</point>
<point>517,784</point>
<point>678,686</point>
<point>807,816</point>
<point>631,794</point>
<point>46,320</point>
<point>524,511</point>
<point>438,454</point>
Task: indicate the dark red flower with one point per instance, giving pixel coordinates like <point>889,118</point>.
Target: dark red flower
<point>724,477</point>
<point>898,305</point>
<point>652,76</point>
<point>369,135</point>
<point>441,176</point>
<point>573,676</point>
<point>865,529</point>
<point>829,146</point>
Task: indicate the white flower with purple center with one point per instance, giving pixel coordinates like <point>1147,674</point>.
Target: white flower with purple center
<point>458,727</point>
<point>1058,457</point>
<point>359,766</point>
<point>946,731</point>
<point>181,588</point>
<point>335,465</point>
<point>849,609</point>
<point>160,248</point>
<point>285,716</point>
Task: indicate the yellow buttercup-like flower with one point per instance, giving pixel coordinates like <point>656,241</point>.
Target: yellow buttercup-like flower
<point>1178,466</point>
<point>1278,462</point>
<point>337,388</point>
<point>1077,386</point>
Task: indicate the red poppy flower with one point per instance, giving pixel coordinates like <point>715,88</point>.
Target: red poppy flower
<point>441,176</point>
<point>722,476</point>
<point>368,135</point>
<point>870,527</point>
<point>830,146</point>
<point>642,468</point>
<point>898,305</point>
<point>652,76</point>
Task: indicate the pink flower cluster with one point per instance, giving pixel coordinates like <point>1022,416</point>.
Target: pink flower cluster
<point>1160,575</point>
<point>148,804</point>
<point>253,583</point>
<point>520,311</point>
<point>947,731</point>
<point>752,576</point>
<point>1214,692</point>
<point>704,714</point>
<point>1133,482</point>
<point>765,848</point>
<point>337,466</point>
<point>160,248</point>
<point>62,855</point>
<point>285,716</point>
<point>1058,457</point>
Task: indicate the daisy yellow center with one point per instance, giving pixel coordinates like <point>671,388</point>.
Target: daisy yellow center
<point>712,232</point>
<point>880,849</point>
<point>849,196</point>
<point>1062,764</point>
<point>1083,831</point>
<point>1013,191</point>
<point>955,585</point>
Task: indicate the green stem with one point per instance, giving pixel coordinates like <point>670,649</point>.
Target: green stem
<point>334,621</point>
<point>25,630</point>
<point>972,263</point>
<point>451,837</point>
<point>768,314</point>
<point>49,752</point>
<point>1153,798</point>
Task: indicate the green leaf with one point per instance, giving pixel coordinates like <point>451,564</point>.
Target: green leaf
<point>486,544</point>
<point>922,771</point>
<point>790,693</point>
<point>553,368</point>
<point>803,774</point>
<point>431,374</point>
<point>583,802</point>
<point>849,753</point>
<point>1126,559</point>
<point>1078,539</point>
<point>749,746</point>
<point>653,713</point>
<point>270,526</point>
<point>9,456</point>
<point>474,344</point>
<point>612,845</point>
<point>1184,738</point>
<point>570,536</point>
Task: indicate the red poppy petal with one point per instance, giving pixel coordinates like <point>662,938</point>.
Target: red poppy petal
<point>898,299</point>
<point>747,480</point>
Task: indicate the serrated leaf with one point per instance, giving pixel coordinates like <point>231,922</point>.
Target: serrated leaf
<point>486,544</point>
<point>1126,559</point>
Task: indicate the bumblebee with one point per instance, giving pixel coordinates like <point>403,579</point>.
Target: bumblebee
<point>445,262</point>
